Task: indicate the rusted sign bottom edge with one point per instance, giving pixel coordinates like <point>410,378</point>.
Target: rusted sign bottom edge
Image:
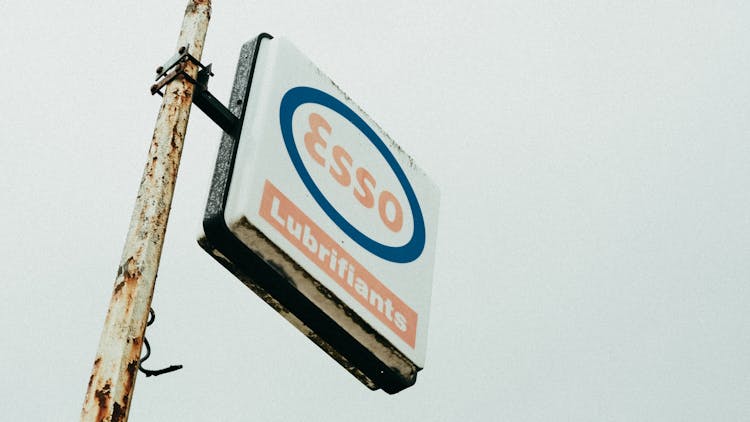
<point>280,282</point>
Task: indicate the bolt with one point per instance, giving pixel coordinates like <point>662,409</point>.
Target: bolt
<point>182,50</point>
<point>159,70</point>
<point>239,102</point>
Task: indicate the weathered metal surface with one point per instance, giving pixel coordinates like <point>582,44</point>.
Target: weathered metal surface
<point>110,388</point>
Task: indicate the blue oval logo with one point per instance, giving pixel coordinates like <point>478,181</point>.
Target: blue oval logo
<point>298,96</point>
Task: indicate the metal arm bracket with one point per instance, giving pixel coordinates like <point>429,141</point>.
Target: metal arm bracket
<point>175,68</point>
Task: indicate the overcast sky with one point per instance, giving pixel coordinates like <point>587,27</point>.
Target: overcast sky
<point>593,254</point>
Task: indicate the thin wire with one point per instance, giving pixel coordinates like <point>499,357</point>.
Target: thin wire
<point>157,372</point>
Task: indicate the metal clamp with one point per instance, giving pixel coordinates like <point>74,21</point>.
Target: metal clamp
<point>175,68</point>
<point>179,62</point>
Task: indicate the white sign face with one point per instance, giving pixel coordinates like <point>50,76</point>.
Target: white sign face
<point>321,183</point>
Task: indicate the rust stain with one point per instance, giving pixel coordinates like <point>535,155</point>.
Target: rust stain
<point>131,372</point>
<point>118,287</point>
<point>192,8</point>
<point>131,275</point>
<point>118,412</point>
<point>103,397</point>
<point>129,272</point>
<point>152,167</point>
<point>97,363</point>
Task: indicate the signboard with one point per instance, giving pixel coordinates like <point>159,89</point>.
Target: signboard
<point>318,211</point>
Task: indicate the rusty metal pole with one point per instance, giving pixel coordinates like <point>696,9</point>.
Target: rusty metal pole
<point>110,388</point>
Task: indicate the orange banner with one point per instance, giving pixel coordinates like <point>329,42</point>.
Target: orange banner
<point>318,246</point>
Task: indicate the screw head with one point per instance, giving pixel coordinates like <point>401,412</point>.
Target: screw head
<point>159,69</point>
<point>182,50</point>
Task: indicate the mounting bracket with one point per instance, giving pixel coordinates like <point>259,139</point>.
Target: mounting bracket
<point>175,68</point>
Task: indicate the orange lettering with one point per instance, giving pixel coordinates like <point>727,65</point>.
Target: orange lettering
<point>340,172</point>
<point>340,168</point>
<point>365,198</point>
<point>313,138</point>
<point>398,218</point>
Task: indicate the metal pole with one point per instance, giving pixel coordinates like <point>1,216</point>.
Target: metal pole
<point>110,388</point>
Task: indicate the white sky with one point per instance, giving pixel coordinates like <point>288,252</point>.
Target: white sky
<point>594,241</point>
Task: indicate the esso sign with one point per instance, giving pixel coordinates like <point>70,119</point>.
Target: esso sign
<point>316,209</point>
<point>352,174</point>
